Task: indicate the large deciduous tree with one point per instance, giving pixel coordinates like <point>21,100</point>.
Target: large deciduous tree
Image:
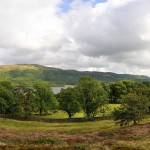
<point>6,98</point>
<point>44,97</point>
<point>120,88</point>
<point>24,101</point>
<point>68,101</point>
<point>117,90</point>
<point>91,95</point>
<point>144,91</point>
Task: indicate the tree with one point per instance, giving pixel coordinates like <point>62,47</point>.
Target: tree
<point>25,101</point>
<point>44,97</point>
<point>3,106</point>
<point>120,88</point>
<point>133,108</point>
<point>147,83</point>
<point>68,101</point>
<point>117,90</point>
<point>130,85</point>
<point>144,90</point>
<point>6,98</point>
<point>91,95</point>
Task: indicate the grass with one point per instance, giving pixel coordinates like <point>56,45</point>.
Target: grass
<point>91,135</point>
<point>61,114</point>
<point>80,127</point>
<point>132,145</point>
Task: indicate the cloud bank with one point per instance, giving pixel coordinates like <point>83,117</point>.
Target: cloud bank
<point>88,35</point>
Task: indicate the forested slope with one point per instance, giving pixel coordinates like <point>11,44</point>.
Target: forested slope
<point>27,74</point>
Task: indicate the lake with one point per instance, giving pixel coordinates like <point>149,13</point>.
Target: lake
<point>56,90</point>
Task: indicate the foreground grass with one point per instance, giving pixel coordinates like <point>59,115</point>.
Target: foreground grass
<point>91,135</point>
<point>27,126</point>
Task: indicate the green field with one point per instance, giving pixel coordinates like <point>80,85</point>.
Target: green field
<point>61,114</point>
<point>80,127</point>
<point>90,135</point>
<point>84,135</point>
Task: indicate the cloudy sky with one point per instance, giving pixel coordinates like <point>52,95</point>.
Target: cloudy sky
<point>94,35</point>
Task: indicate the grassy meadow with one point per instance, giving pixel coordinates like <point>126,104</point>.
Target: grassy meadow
<point>90,135</point>
<point>82,135</point>
<point>62,115</point>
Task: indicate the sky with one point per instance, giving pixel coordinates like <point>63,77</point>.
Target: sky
<point>92,35</point>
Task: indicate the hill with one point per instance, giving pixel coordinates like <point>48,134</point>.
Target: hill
<point>27,74</point>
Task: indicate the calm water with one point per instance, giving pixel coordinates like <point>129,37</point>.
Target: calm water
<point>56,90</point>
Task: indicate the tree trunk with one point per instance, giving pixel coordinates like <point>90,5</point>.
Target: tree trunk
<point>70,116</point>
<point>40,111</point>
<point>134,122</point>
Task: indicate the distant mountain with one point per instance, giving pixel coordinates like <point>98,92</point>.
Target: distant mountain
<point>28,74</point>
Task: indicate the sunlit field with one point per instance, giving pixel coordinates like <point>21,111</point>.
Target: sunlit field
<point>61,114</point>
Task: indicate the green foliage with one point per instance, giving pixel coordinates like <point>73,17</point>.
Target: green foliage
<point>61,77</point>
<point>7,85</point>
<point>3,106</point>
<point>24,101</point>
<point>117,90</point>
<point>68,101</point>
<point>120,88</point>
<point>29,74</point>
<point>147,83</point>
<point>6,98</point>
<point>91,95</point>
<point>144,90</point>
<point>130,85</point>
<point>44,98</point>
<point>133,108</point>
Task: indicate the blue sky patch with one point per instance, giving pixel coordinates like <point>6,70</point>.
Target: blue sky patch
<point>65,6</point>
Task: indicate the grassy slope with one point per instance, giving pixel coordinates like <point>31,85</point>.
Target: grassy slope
<point>73,136</point>
<point>85,135</point>
<point>31,126</point>
<point>27,74</point>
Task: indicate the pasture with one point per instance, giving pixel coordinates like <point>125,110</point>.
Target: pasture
<point>90,135</point>
<point>62,115</point>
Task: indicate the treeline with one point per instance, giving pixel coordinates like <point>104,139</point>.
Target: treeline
<point>25,101</point>
<point>93,97</point>
<point>89,96</point>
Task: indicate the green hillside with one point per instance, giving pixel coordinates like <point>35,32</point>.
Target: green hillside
<point>28,74</point>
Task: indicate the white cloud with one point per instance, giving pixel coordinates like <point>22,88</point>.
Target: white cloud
<point>30,24</point>
<point>111,36</point>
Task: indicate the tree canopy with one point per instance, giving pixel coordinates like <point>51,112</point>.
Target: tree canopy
<point>91,95</point>
<point>133,108</point>
<point>68,101</point>
<point>44,97</point>
<point>6,98</point>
